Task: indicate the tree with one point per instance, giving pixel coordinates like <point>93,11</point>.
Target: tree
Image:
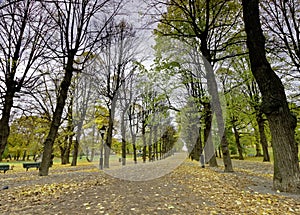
<point>177,60</point>
<point>133,118</point>
<point>280,19</point>
<point>115,66</point>
<point>243,96</point>
<point>67,142</point>
<point>26,136</point>
<point>74,34</point>
<point>209,24</point>
<point>127,97</point>
<point>21,46</point>
<point>83,87</point>
<point>5,4</point>
<point>274,104</point>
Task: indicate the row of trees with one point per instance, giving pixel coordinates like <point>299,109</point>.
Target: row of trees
<point>80,76</point>
<point>43,45</point>
<point>78,65</point>
<point>224,40</point>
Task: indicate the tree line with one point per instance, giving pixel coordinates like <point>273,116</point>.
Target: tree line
<point>80,67</point>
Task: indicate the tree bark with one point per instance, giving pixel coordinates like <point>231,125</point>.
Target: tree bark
<point>133,131</point>
<point>78,137</point>
<point>216,107</point>
<point>66,147</point>
<point>75,151</point>
<point>81,114</point>
<point>108,143</point>
<point>238,142</point>
<point>144,140</point>
<point>123,133</point>
<point>274,104</point>
<point>257,143</point>
<point>263,138</point>
<point>208,138</point>
<point>198,148</point>
<point>63,150</point>
<point>12,86</point>
<point>4,122</point>
<point>155,142</point>
<point>60,104</point>
<point>150,148</point>
<point>134,150</point>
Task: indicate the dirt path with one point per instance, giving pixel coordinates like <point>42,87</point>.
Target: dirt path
<point>188,189</point>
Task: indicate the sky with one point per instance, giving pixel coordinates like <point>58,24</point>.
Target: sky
<point>134,12</point>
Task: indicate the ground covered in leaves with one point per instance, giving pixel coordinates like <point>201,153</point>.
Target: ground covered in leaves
<point>188,189</point>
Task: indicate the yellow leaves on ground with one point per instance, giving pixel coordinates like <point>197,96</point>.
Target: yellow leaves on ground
<point>189,189</point>
<point>227,193</point>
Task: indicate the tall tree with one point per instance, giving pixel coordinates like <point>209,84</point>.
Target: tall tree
<point>274,104</point>
<point>27,134</point>
<point>281,20</point>
<point>74,35</point>
<point>4,4</point>
<point>82,100</point>
<point>243,90</point>
<point>21,46</point>
<point>210,24</point>
<point>127,93</point>
<point>115,65</point>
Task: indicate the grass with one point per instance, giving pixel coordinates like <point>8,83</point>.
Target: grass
<point>252,151</point>
<point>18,165</point>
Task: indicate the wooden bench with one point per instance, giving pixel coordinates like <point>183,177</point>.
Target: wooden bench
<point>4,167</point>
<point>31,165</point>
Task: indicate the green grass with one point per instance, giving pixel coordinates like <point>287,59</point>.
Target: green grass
<point>252,151</point>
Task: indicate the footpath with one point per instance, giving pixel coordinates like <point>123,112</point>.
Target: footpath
<point>169,186</point>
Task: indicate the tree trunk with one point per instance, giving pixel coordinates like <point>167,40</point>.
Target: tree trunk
<point>155,142</point>
<point>12,86</point>
<point>66,147</point>
<point>133,139</point>
<point>144,141</point>
<point>4,122</point>
<point>81,113</point>
<point>63,150</point>
<point>274,104</point>
<point>262,135</point>
<point>257,143</point>
<point>55,123</point>
<point>134,150</point>
<point>238,142</point>
<point>75,151</point>
<point>92,155</point>
<point>216,107</point>
<point>78,136</point>
<point>123,133</point>
<point>108,144</point>
<point>133,133</point>
<point>70,143</point>
<point>160,148</point>
<point>258,150</point>
<point>24,155</point>
<point>197,150</point>
<point>95,138</point>
<point>150,148</point>
<point>209,149</point>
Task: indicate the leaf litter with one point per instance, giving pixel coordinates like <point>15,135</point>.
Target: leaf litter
<point>188,189</point>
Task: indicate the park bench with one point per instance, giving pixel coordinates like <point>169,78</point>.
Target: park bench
<point>31,165</point>
<point>4,167</point>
